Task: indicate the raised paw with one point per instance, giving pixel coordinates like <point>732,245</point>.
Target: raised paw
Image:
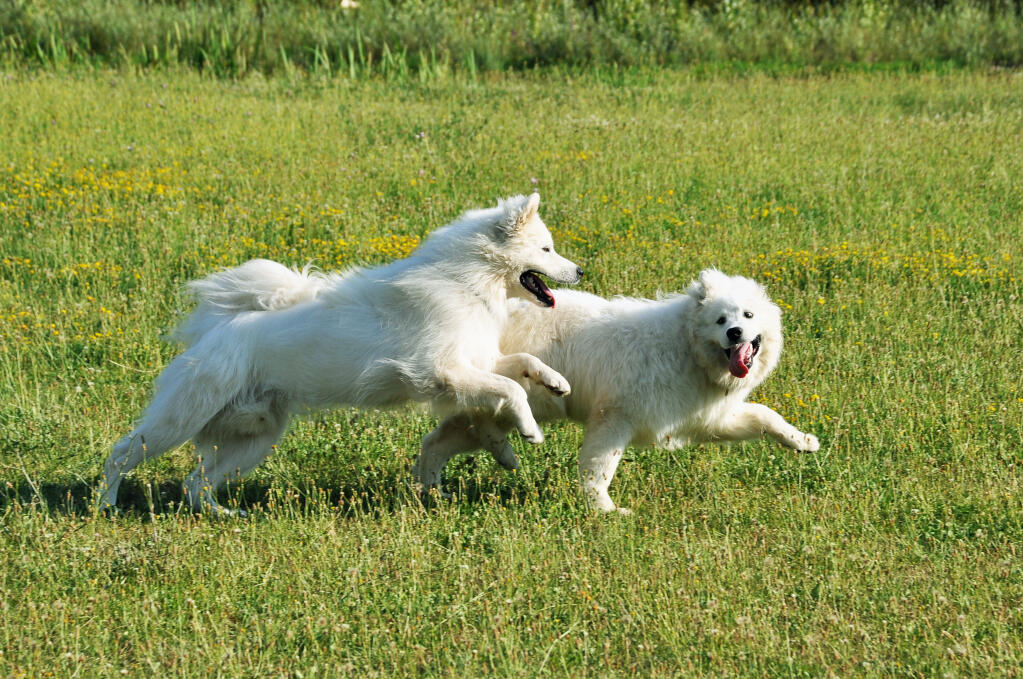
<point>557,384</point>
<point>532,433</point>
<point>548,378</point>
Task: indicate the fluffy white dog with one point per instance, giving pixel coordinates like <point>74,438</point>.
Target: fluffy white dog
<point>267,340</point>
<point>664,372</point>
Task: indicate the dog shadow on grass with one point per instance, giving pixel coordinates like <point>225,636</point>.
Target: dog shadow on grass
<point>77,498</point>
<point>378,493</point>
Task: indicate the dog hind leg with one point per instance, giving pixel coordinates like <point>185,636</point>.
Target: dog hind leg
<point>188,394</point>
<point>225,459</point>
<point>233,443</point>
<point>147,441</point>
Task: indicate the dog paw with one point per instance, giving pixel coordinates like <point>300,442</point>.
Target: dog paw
<point>107,509</point>
<point>797,440</point>
<point>532,434</point>
<point>430,494</point>
<point>218,511</point>
<point>551,380</point>
<point>807,443</point>
<point>602,502</point>
<point>557,385</point>
<point>508,459</point>
<point>622,511</point>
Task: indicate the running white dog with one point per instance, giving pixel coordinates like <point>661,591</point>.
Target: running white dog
<point>266,340</point>
<point>665,372</point>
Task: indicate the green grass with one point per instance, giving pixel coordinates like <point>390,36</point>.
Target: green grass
<point>883,211</point>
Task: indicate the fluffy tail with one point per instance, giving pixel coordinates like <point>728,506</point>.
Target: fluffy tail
<point>256,285</point>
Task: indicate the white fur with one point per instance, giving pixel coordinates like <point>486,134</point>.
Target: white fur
<point>267,340</point>
<point>645,372</point>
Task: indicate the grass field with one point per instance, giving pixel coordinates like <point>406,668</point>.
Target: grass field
<point>883,211</point>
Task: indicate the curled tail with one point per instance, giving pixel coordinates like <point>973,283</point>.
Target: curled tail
<point>256,285</point>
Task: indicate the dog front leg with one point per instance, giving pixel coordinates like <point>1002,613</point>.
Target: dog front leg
<point>522,365</point>
<point>474,389</point>
<point>752,420</point>
<point>602,450</point>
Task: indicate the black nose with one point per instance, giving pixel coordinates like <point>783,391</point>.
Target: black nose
<point>734,334</point>
<point>579,272</point>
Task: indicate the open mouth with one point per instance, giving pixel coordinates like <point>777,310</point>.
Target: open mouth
<point>531,281</point>
<point>740,356</point>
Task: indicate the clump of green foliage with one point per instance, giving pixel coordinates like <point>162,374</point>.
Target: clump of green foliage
<point>233,38</point>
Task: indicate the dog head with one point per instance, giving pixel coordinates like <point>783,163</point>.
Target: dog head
<point>525,247</point>
<point>735,328</point>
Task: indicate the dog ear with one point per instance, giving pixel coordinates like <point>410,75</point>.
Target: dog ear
<point>704,286</point>
<point>532,207</point>
<point>519,211</point>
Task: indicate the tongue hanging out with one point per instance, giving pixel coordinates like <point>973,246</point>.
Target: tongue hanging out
<point>740,359</point>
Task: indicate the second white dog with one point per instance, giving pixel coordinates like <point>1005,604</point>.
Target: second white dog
<point>665,372</point>
<point>267,340</point>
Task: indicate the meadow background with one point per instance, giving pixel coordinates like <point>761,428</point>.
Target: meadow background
<point>410,37</point>
<point>879,200</point>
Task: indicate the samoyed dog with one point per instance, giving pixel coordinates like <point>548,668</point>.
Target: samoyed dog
<point>266,340</point>
<point>661,372</point>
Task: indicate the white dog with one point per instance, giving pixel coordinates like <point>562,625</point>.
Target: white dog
<point>266,340</point>
<point>665,372</point>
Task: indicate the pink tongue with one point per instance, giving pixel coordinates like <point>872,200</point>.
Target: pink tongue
<point>741,355</point>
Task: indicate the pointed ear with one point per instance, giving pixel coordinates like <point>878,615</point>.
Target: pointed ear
<point>519,211</point>
<point>704,286</point>
<point>532,206</point>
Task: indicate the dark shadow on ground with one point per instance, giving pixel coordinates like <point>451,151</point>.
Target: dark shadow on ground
<point>381,493</point>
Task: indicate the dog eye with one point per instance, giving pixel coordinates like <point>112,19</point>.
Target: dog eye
<point>546,249</point>
<point>747,314</point>
<point>721,321</point>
